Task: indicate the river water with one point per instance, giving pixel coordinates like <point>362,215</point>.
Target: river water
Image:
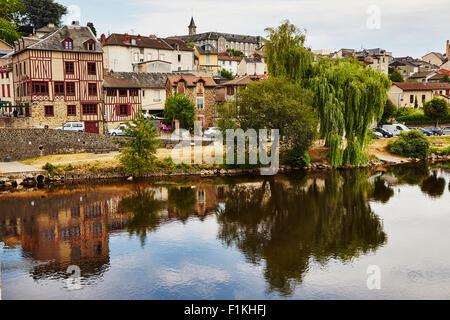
<point>350,234</point>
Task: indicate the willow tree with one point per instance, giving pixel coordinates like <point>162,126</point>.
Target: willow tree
<point>348,95</point>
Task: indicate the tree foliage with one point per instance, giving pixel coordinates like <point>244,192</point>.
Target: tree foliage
<point>348,95</point>
<point>8,31</point>
<point>236,53</point>
<point>91,26</point>
<point>395,77</point>
<point>226,74</point>
<point>411,144</point>
<point>39,13</point>
<point>140,144</point>
<point>388,111</point>
<point>436,109</point>
<point>179,107</point>
<point>12,10</point>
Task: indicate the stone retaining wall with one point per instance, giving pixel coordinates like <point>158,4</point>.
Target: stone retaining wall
<point>20,144</point>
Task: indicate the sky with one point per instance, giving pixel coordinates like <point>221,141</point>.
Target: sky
<point>403,27</point>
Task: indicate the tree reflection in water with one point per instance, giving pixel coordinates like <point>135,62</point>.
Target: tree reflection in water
<point>182,201</point>
<point>145,212</point>
<point>286,224</point>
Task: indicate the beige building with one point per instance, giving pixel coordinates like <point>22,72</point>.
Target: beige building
<point>232,87</point>
<point>404,94</point>
<point>252,66</point>
<point>136,53</point>
<point>434,58</point>
<point>60,78</point>
<point>6,85</point>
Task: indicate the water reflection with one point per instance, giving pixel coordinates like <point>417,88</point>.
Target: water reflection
<point>281,224</point>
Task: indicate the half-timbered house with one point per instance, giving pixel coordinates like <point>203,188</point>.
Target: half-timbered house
<point>60,76</point>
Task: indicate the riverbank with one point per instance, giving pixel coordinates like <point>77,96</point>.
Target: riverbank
<point>60,169</point>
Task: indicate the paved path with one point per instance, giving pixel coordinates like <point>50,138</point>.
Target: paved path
<point>16,167</point>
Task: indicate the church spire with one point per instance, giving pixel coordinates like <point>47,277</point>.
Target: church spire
<point>192,27</point>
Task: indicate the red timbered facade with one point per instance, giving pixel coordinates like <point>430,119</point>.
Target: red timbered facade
<point>122,101</point>
<point>61,78</point>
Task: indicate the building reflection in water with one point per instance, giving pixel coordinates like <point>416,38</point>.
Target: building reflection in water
<point>284,221</point>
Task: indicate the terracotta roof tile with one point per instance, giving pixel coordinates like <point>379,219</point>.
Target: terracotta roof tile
<point>191,80</point>
<point>412,86</point>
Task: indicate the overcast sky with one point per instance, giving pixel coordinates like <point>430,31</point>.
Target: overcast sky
<point>404,27</point>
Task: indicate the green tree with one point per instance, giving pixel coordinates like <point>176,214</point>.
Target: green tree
<point>395,77</point>
<point>12,10</point>
<point>388,111</point>
<point>91,26</point>
<point>436,109</point>
<point>8,31</point>
<point>277,103</point>
<point>445,78</point>
<point>39,13</point>
<point>411,144</point>
<point>226,74</point>
<point>285,52</point>
<point>179,107</point>
<point>236,53</point>
<point>140,144</point>
<point>416,104</point>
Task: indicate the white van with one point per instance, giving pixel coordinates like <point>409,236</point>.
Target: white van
<point>72,126</point>
<point>396,129</point>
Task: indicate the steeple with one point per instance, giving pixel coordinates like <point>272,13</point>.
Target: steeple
<point>192,28</point>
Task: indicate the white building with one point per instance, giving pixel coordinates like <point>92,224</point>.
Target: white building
<point>251,66</point>
<point>227,61</point>
<point>131,53</point>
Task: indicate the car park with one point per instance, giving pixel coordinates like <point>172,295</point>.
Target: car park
<point>384,133</point>
<point>396,129</point>
<point>446,131</point>
<point>436,131</point>
<point>72,126</point>
<point>119,131</point>
<point>424,131</point>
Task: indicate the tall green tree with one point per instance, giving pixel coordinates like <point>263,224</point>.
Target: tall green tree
<point>140,144</point>
<point>8,31</point>
<point>348,95</point>
<point>12,10</point>
<point>91,26</point>
<point>286,53</point>
<point>395,77</point>
<point>39,13</point>
<point>436,109</point>
<point>179,107</point>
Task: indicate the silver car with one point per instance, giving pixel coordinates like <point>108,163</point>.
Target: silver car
<point>72,126</point>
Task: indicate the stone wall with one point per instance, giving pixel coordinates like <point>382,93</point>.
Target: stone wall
<point>19,144</point>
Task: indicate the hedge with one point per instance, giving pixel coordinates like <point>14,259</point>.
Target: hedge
<point>417,118</point>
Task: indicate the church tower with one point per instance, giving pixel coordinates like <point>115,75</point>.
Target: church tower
<point>192,28</point>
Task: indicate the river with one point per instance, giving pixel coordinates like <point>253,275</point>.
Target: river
<point>343,234</point>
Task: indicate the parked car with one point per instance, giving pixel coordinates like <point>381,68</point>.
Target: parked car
<point>396,129</point>
<point>446,131</point>
<point>384,133</point>
<point>72,126</point>
<point>165,128</point>
<point>211,132</point>
<point>436,131</point>
<point>119,131</point>
<point>378,135</point>
<point>424,131</point>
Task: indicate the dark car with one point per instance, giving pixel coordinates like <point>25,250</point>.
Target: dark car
<point>435,131</point>
<point>424,131</point>
<point>384,132</point>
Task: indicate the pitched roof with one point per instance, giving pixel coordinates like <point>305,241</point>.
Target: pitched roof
<point>217,35</point>
<point>438,85</point>
<point>422,74</point>
<point>437,54</point>
<point>182,46</point>
<point>54,40</point>
<point>6,44</point>
<point>437,76</point>
<point>191,80</point>
<point>192,24</point>
<point>117,39</point>
<point>136,79</point>
<point>244,80</point>
<point>412,86</point>
<point>202,50</point>
<point>444,71</point>
<point>228,56</point>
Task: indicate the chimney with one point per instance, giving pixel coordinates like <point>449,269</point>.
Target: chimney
<point>51,25</point>
<point>152,36</point>
<point>126,38</point>
<point>75,23</point>
<point>102,38</point>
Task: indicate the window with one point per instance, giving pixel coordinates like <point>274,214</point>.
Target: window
<point>24,68</point>
<point>69,67</point>
<point>207,59</point>
<point>89,109</point>
<point>91,68</point>
<point>423,98</point>
<point>48,111</point>
<point>70,88</point>
<point>90,45</point>
<point>156,95</point>
<point>71,110</point>
<point>134,92</point>
<point>411,98</point>
<point>92,89</point>
<point>122,92</point>
<point>3,90</point>
<point>179,58</point>
<point>39,88</point>
<point>9,90</point>
<point>68,44</point>
<point>59,88</point>
<point>136,56</point>
<point>200,89</point>
<point>123,110</point>
<point>230,90</point>
<point>199,103</point>
<point>111,92</point>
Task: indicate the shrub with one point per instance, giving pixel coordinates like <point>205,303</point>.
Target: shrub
<point>411,144</point>
<point>403,111</point>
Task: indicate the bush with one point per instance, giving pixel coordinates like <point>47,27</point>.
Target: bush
<point>418,118</point>
<point>411,144</point>
<point>403,111</point>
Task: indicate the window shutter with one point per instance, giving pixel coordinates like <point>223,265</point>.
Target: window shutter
<point>117,110</point>
<point>129,110</point>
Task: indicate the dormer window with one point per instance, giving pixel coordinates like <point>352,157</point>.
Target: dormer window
<point>133,41</point>
<point>90,45</point>
<point>207,47</point>
<point>68,44</point>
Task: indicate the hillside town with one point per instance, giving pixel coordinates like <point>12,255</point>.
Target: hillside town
<point>65,74</point>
